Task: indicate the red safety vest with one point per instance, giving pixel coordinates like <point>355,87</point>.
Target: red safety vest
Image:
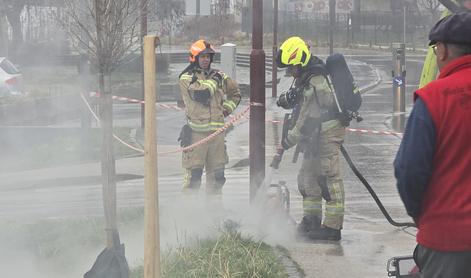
<point>445,220</point>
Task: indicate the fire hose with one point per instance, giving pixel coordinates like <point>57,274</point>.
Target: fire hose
<point>372,192</point>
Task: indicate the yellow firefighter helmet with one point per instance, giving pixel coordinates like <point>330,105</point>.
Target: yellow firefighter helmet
<point>293,51</point>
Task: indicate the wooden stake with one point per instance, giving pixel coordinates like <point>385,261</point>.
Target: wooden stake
<point>151,207</point>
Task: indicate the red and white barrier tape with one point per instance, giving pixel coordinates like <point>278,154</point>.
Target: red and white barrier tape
<point>175,107</point>
<point>165,106</point>
<point>217,132</point>
<point>162,105</point>
<point>375,132</point>
<point>233,120</point>
<point>364,131</point>
<point>99,124</point>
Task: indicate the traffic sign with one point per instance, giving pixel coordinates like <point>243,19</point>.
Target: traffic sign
<point>398,80</point>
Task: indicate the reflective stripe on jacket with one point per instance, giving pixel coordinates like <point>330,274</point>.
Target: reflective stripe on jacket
<point>318,98</point>
<point>224,96</point>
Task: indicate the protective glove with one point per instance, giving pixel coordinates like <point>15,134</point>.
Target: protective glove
<point>228,107</point>
<point>218,78</point>
<point>345,118</point>
<point>194,78</point>
<point>275,163</point>
<point>185,136</point>
<point>286,144</point>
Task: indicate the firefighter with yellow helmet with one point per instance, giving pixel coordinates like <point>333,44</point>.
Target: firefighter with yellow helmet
<point>209,96</point>
<point>430,67</point>
<point>321,134</point>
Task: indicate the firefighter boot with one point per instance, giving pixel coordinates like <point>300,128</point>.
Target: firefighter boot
<point>309,223</point>
<point>325,233</point>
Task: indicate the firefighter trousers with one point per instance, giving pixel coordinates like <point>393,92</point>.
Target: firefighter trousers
<point>210,156</point>
<point>320,178</point>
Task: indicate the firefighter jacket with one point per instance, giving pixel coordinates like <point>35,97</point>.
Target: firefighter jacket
<point>318,101</point>
<point>208,96</point>
<point>430,68</point>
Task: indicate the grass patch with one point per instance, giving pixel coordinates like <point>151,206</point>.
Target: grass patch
<point>84,147</point>
<point>68,148</point>
<point>229,255</point>
<point>59,241</point>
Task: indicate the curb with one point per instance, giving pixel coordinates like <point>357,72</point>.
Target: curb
<point>388,47</point>
<point>133,137</point>
<point>374,84</point>
<point>290,266</point>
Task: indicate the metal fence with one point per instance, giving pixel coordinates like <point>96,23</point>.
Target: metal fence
<point>378,28</point>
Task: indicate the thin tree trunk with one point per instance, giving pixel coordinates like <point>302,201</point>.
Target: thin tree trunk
<point>17,32</point>
<point>3,37</point>
<point>107,154</point>
<point>28,28</point>
<point>108,162</point>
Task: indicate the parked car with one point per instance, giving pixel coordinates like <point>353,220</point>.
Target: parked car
<point>10,79</point>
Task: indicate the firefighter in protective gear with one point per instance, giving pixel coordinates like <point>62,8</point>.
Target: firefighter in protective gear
<point>209,96</point>
<point>321,134</point>
<point>430,67</point>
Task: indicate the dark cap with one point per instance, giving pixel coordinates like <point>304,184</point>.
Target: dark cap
<point>455,28</point>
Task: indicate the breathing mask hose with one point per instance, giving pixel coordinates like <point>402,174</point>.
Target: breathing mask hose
<point>372,192</point>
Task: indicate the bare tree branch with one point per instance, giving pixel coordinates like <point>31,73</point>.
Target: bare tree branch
<point>114,20</point>
<point>169,13</point>
<point>431,6</point>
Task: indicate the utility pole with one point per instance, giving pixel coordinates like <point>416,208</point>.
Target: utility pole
<point>332,20</point>
<point>143,11</point>
<point>151,205</point>
<point>356,16</point>
<point>274,71</point>
<point>3,31</point>
<point>198,12</point>
<point>257,100</point>
<point>357,6</point>
<point>404,23</point>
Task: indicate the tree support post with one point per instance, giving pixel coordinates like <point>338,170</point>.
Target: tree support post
<point>151,206</point>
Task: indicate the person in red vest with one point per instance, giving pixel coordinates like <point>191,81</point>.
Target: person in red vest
<point>466,4</point>
<point>433,163</point>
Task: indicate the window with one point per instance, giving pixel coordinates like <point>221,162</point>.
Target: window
<point>8,67</point>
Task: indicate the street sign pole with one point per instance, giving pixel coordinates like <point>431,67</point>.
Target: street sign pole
<point>332,20</point>
<point>404,24</point>
<point>274,71</point>
<point>399,85</point>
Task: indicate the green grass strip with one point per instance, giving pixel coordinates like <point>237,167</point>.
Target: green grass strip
<point>229,255</point>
